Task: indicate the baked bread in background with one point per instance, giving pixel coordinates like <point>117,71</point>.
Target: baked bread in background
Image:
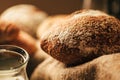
<point>82,36</point>
<point>8,31</point>
<point>11,34</point>
<point>27,16</point>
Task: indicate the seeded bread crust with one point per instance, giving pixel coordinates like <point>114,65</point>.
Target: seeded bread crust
<point>83,36</point>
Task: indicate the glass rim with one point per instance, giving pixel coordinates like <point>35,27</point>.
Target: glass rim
<point>22,64</point>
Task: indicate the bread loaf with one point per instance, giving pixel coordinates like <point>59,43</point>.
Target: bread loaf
<point>26,16</point>
<point>82,36</point>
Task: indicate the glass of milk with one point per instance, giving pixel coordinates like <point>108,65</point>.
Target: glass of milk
<point>13,62</point>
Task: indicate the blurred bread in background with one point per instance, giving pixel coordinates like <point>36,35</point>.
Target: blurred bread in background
<point>27,17</point>
<point>11,34</point>
<point>8,31</point>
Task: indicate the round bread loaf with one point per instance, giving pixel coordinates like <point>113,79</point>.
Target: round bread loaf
<point>26,16</point>
<point>82,36</point>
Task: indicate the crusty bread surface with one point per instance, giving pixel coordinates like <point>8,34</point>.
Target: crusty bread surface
<point>83,36</point>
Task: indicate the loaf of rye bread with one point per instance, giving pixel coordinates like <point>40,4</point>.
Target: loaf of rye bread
<point>82,36</point>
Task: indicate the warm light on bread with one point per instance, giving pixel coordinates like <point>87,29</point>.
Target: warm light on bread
<point>82,36</point>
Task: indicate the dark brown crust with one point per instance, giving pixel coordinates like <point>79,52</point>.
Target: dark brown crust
<point>82,39</point>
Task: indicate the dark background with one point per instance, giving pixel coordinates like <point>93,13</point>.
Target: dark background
<point>50,6</point>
